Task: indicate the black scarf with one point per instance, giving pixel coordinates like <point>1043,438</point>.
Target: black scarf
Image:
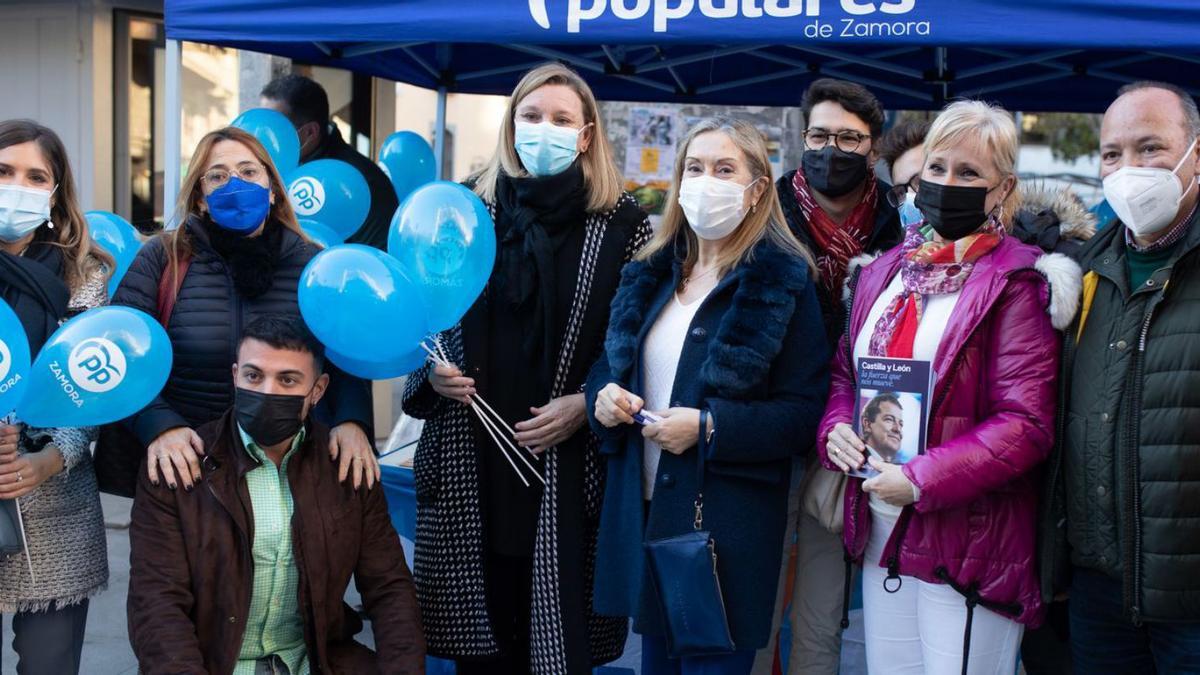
<point>252,260</point>
<point>32,284</point>
<point>533,215</point>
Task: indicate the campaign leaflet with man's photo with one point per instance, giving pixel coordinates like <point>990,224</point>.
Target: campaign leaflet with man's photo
<point>891,411</point>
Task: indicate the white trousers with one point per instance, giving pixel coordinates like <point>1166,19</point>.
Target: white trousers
<point>919,629</point>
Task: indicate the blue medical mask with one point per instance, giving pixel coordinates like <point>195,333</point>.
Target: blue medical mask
<point>546,149</point>
<point>239,206</point>
<point>22,210</point>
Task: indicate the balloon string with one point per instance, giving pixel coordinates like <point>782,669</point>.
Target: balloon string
<point>502,442</point>
<point>24,539</point>
<point>479,399</point>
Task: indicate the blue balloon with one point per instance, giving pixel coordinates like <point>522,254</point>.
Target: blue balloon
<point>320,233</point>
<point>275,132</point>
<point>379,370</point>
<point>99,367</point>
<point>117,237</point>
<point>14,359</point>
<point>331,191</point>
<point>445,239</point>
<point>357,300</point>
<point>408,161</point>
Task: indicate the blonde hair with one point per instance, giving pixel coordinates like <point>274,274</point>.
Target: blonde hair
<point>765,221</point>
<point>992,129</point>
<point>600,172</point>
<point>177,242</point>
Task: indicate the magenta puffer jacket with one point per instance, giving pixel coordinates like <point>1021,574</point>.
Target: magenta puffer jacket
<point>991,426</point>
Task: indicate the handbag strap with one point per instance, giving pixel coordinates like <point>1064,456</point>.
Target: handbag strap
<point>701,453</point>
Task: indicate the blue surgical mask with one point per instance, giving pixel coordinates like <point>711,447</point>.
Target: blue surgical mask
<point>22,210</point>
<point>239,206</point>
<point>546,149</point>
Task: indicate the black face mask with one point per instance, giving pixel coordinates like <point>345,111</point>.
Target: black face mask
<point>268,418</point>
<point>953,211</point>
<point>832,172</point>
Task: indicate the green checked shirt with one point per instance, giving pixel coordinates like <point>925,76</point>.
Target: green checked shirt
<point>274,625</point>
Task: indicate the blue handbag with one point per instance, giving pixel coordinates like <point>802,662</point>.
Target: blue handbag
<point>683,569</point>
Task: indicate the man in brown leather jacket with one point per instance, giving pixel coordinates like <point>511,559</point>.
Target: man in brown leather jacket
<point>247,572</point>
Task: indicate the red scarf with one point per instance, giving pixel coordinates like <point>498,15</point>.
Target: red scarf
<point>836,244</point>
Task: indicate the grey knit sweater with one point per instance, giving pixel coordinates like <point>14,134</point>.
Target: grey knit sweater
<point>64,526</point>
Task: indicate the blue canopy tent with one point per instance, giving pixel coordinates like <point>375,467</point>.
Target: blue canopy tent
<point>1064,55</point>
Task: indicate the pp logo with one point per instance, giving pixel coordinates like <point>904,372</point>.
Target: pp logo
<point>308,196</point>
<point>448,252</point>
<point>97,365</point>
<point>5,361</point>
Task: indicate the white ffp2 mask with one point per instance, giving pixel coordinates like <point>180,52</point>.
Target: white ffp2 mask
<point>1145,198</point>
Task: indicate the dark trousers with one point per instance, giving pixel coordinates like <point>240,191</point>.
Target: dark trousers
<point>656,660</point>
<point>1104,639</point>
<point>50,642</point>
<point>510,604</point>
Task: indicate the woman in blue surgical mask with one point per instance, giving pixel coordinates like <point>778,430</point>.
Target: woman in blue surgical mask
<point>49,271</point>
<point>237,254</point>
<point>517,554</point>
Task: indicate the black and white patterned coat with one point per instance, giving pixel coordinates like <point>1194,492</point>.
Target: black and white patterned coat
<point>566,636</point>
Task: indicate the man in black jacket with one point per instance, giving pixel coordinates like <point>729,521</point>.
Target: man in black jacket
<point>1121,531</point>
<point>307,106</point>
<point>835,205</point>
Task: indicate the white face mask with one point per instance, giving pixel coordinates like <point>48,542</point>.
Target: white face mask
<point>22,210</point>
<point>714,208</point>
<point>1146,199</point>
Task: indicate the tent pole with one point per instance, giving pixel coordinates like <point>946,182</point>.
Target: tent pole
<point>439,133</point>
<point>174,131</point>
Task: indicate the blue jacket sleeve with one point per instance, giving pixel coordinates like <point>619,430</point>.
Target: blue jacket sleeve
<point>598,378</point>
<point>785,422</point>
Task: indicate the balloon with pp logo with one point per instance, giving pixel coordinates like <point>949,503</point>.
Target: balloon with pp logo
<point>408,161</point>
<point>331,191</point>
<point>319,232</point>
<point>275,132</point>
<point>99,367</point>
<point>119,238</point>
<point>370,369</point>
<point>357,300</point>
<point>14,359</point>
<point>445,239</point>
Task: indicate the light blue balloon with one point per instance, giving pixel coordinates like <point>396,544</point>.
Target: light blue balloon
<point>119,238</point>
<point>99,367</point>
<point>445,239</point>
<point>369,369</point>
<point>275,131</point>
<point>408,161</point>
<point>332,192</point>
<point>14,359</point>
<point>357,300</point>
<point>322,234</point>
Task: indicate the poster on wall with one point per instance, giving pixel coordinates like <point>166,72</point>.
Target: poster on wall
<point>654,133</point>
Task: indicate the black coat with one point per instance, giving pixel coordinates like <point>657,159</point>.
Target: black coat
<point>205,327</point>
<point>449,564</point>
<point>757,359</point>
<point>887,233</point>
<point>374,230</point>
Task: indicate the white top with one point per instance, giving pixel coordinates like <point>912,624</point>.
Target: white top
<point>660,360</point>
<point>934,318</point>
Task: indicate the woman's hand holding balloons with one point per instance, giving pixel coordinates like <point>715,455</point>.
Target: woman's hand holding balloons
<point>21,474</point>
<point>174,457</point>
<point>554,423</point>
<point>350,447</point>
<point>448,381</point>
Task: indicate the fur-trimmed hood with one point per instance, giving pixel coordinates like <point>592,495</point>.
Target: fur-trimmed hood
<point>765,288</point>
<point>1049,218</point>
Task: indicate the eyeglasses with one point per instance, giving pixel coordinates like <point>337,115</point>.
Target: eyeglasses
<point>899,193</point>
<point>251,173</point>
<point>846,140</point>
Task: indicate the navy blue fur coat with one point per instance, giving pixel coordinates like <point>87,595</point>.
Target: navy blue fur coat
<point>756,358</point>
